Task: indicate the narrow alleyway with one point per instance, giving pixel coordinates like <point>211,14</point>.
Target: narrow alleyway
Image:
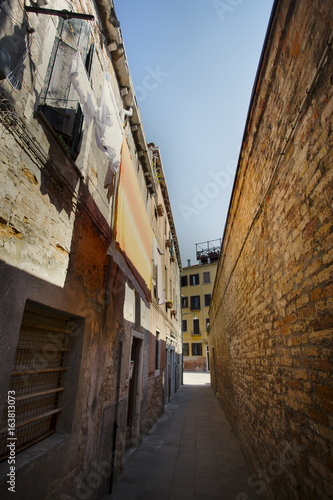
<point>191,453</point>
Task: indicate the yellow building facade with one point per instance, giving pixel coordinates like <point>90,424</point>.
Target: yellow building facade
<point>197,282</point>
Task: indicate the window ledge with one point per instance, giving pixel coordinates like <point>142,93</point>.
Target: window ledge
<point>34,453</point>
<point>52,132</point>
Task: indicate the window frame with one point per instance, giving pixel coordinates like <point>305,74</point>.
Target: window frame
<point>196,330</point>
<point>36,350</point>
<point>193,305</point>
<point>194,279</point>
<point>184,302</point>
<point>183,279</point>
<point>207,298</point>
<point>65,121</point>
<point>203,277</point>
<point>196,344</point>
<point>158,351</point>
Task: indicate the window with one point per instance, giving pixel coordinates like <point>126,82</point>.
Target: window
<point>195,302</point>
<point>184,302</point>
<point>171,248</point>
<point>207,299</point>
<point>196,326</point>
<point>59,101</point>
<point>196,349</point>
<point>157,351</point>
<point>184,325</point>
<point>184,281</point>
<point>37,379</point>
<point>206,277</point>
<point>154,279</point>
<point>207,323</point>
<point>137,308</point>
<point>194,279</point>
<point>186,350</point>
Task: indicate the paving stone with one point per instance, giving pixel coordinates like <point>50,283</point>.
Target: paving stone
<point>195,458</point>
<point>207,472</point>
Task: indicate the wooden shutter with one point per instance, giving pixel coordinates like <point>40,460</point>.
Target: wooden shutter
<point>162,354</point>
<point>59,99</point>
<point>196,327</point>
<point>152,351</point>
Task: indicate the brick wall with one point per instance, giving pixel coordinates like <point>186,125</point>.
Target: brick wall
<point>155,398</point>
<point>271,313</point>
<point>196,363</point>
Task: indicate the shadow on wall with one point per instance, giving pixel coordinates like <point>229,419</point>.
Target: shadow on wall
<point>15,48</point>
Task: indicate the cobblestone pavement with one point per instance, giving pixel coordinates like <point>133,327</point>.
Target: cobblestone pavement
<point>190,453</point>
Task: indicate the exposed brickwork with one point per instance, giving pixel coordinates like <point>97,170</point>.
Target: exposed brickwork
<point>155,398</point>
<point>192,364</point>
<point>271,313</point>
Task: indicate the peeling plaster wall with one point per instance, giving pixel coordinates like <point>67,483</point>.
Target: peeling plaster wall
<point>54,235</point>
<point>55,230</point>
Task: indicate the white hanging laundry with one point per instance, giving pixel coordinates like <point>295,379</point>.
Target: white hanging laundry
<point>79,78</point>
<point>109,128</point>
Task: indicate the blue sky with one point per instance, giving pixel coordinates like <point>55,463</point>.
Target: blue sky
<point>193,64</point>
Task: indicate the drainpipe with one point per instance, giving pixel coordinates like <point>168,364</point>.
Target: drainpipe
<point>115,422</point>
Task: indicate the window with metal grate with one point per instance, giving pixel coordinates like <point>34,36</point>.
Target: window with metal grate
<point>37,377</point>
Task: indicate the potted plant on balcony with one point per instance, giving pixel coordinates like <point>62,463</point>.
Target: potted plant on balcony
<point>169,304</point>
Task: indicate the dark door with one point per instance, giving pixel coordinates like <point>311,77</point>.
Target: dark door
<point>132,390</point>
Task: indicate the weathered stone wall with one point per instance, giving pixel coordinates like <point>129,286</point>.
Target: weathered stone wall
<point>81,461</point>
<point>55,230</point>
<point>271,313</point>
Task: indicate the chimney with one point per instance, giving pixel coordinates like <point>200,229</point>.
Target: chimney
<point>188,262</point>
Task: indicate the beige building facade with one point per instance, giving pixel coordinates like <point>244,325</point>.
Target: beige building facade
<point>197,282</point>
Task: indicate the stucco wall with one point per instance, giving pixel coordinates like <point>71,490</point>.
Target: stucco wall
<point>55,232</point>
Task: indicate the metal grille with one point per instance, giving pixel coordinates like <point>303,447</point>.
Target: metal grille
<point>37,377</point>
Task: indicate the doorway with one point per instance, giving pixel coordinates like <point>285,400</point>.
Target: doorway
<point>134,395</point>
<point>207,358</point>
<point>170,373</point>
